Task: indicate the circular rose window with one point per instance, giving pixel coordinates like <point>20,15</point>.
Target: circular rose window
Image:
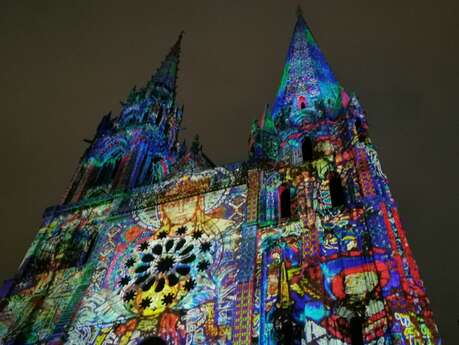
<point>163,269</point>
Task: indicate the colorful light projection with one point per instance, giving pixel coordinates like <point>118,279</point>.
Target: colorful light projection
<point>301,244</point>
<point>172,267</point>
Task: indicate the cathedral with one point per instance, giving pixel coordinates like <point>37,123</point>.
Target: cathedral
<point>152,243</point>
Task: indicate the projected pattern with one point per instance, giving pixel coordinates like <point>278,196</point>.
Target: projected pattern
<point>300,244</point>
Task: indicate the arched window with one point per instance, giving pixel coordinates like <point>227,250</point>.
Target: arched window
<point>336,191</point>
<point>302,102</point>
<point>307,149</point>
<point>285,202</point>
<point>153,341</point>
<point>356,328</point>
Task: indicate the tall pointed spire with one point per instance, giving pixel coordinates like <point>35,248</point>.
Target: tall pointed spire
<point>163,82</point>
<point>307,79</point>
<point>166,75</point>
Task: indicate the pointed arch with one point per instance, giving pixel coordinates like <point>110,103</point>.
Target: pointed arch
<point>302,102</point>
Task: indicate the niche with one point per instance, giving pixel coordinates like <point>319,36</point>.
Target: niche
<point>336,191</point>
<point>307,149</point>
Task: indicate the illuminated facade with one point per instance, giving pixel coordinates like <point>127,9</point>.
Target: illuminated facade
<point>154,244</point>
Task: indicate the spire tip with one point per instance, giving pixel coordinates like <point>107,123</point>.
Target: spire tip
<point>179,39</point>
<point>299,11</point>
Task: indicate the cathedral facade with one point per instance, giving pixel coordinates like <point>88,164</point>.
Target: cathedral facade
<point>153,244</point>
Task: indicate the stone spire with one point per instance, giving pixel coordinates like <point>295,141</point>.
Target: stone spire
<point>307,79</point>
<point>162,84</point>
<point>166,75</point>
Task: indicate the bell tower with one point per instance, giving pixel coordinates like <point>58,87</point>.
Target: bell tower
<point>329,228</point>
<point>307,106</point>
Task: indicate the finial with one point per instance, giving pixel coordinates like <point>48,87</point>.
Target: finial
<point>176,47</point>
<point>181,35</point>
<point>299,11</point>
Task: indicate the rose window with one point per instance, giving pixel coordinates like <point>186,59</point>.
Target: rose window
<point>161,271</point>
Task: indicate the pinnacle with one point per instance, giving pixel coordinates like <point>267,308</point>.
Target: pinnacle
<point>307,77</point>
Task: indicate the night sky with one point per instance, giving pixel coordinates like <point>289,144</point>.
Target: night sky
<point>64,64</point>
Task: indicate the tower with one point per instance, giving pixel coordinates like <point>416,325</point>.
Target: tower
<point>329,225</point>
<point>154,244</point>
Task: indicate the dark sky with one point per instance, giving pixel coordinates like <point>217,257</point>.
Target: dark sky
<point>66,63</point>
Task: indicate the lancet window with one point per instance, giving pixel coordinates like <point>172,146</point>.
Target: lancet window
<point>336,191</point>
<point>307,149</point>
